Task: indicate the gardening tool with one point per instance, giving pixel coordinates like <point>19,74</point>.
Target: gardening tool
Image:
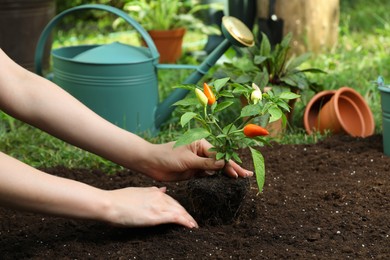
<point>271,26</point>
<point>119,81</point>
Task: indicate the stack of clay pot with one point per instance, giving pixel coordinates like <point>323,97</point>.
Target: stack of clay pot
<point>339,111</point>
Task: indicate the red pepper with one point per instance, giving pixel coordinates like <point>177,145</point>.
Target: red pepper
<point>252,130</point>
<point>209,94</point>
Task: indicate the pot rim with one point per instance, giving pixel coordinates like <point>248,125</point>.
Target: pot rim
<point>337,99</point>
<point>368,118</point>
<point>311,111</point>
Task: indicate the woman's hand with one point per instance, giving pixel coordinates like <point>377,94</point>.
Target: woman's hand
<point>26,188</point>
<point>184,162</point>
<point>139,207</point>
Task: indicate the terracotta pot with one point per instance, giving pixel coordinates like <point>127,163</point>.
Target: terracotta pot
<point>168,43</point>
<point>341,114</point>
<point>310,118</point>
<point>346,112</point>
<point>368,118</point>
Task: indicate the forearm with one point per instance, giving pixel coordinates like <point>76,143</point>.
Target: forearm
<point>23,187</point>
<point>43,104</point>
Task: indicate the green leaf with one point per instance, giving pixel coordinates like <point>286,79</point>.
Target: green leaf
<point>280,60</point>
<point>239,89</point>
<point>213,149</point>
<point>259,59</point>
<point>220,83</point>
<point>187,102</point>
<point>258,163</point>
<point>288,95</point>
<point>314,70</point>
<point>243,78</point>
<point>276,113</point>
<point>225,93</point>
<point>236,158</point>
<point>221,136</point>
<point>282,104</point>
<point>296,62</point>
<point>261,79</point>
<point>228,156</point>
<point>295,78</point>
<point>186,117</point>
<point>286,40</point>
<point>289,81</point>
<point>265,46</point>
<point>186,86</point>
<point>221,106</point>
<point>229,127</point>
<point>219,156</point>
<point>250,110</point>
<point>191,136</point>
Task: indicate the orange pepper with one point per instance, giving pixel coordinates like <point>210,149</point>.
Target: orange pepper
<point>252,130</point>
<point>209,94</point>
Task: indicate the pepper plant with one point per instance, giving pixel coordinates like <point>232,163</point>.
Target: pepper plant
<point>279,63</point>
<point>205,117</point>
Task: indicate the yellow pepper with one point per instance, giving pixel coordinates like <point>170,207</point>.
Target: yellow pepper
<point>201,97</point>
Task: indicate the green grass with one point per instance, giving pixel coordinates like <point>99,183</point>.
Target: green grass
<point>360,56</point>
<point>39,149</point>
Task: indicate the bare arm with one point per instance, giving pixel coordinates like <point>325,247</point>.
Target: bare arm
<point>43,104</point>
<point>25,188</point>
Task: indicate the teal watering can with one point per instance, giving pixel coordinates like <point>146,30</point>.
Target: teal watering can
<point>119,81</point>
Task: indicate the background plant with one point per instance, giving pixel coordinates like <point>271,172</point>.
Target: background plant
<point>228,137</point>
<point>280,66</point>
<point>169,14</point>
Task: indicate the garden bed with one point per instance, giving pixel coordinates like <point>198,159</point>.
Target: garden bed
<point>325,200</point>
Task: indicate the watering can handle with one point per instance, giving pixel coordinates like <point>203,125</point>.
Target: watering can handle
<point>49,27</point>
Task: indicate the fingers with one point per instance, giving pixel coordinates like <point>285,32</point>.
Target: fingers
<point>208,164</point>
<point>173,212</point>
<point>178,215</point>
<point>141,207</point>
<point>204,148</point>
<point>234,170</point>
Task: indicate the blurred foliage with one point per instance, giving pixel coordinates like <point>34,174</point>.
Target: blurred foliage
<point>92,24</point>
<point>64,5</point>
<point>365,15</point>
<point>86,22</point>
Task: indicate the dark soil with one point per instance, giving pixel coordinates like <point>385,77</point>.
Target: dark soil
<point>328,200</point>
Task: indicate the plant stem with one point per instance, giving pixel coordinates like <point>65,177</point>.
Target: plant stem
<point>246,121</point>
<point>219,128</point>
